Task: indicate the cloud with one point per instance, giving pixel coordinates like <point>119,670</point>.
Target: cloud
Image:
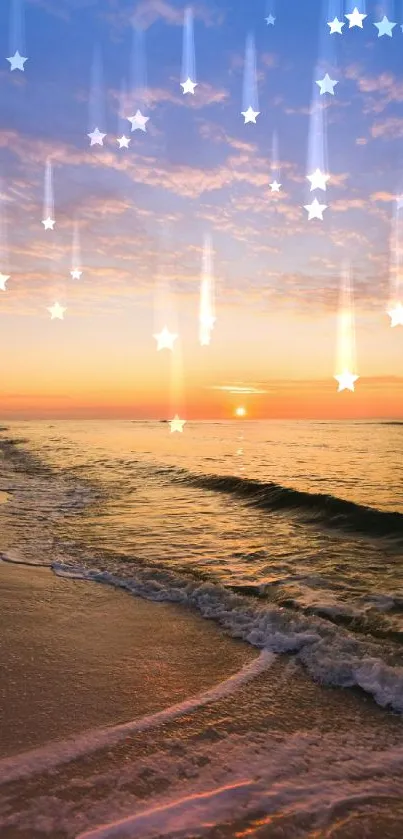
<point>240,389</point>
<point>389,128</point>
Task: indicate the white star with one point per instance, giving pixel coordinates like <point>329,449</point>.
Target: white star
<point>17,61</point>
<point>396,315</point>
<point>315,210</point>
<point>3,280</point>
<point>165,339</point>
<point>275,187</point>
<point>346,380</point>
<point>318,180</point>
<point>250,115</point>
<point>355,18</point>
<point>188,86</point>
<point>336,26</point>
<point>177,424</point>
<point>96,137</point>
<point>48,223</point>
<point>270,20</point>
<point>326,84</point>
<point>385,27</point>
<point>123,142</point>
<point>75,274</point>
<point>56,311</point>
<point>138,121</point>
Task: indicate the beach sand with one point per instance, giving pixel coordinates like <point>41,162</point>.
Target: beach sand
<point>80,656</point>
<point>75,656</point>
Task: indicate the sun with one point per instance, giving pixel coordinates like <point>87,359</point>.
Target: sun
<point>240,412</point>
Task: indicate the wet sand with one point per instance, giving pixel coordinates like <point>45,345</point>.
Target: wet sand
<point>75,656</point>
<point>314,730</point>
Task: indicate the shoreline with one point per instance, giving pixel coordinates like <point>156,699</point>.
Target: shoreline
<point>73,657</point>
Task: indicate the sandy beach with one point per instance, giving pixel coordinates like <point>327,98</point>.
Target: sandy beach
<point>79,656</point>
<point>76,656</point>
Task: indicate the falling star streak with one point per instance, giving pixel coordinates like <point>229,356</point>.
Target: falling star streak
<point>207,307</point>
<point>335,17</point>
<point>122,140</point>
<point>270,12</point>
<point>138,94</point>
<point>96,112</point>
<point>395,308</point>
<point>17,57</point>
<point>48,220</point>
<point>188,75</point>
<point>346,364</point>
<point>4,251</point>
<point>176,390</point>
<point>275,184</point>
<point>355,13</point>
<point>165,317</point>
<point>76,253</point>
<point>250,92</point>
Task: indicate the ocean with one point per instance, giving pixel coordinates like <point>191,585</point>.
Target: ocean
<point>288,535</point>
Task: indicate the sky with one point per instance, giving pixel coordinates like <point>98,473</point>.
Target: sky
<point>198,170</point>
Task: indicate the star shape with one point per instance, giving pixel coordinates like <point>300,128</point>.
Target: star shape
<point>385,27</point>
<point>318,180</point>
<point>165,339</point>
<point>123,142</point>
<point>270,20</point>
<point>250,115</point>
<point>336,26</point>
<point>176,424</point>
<point>346,380</point>
<point>139,121</point>
<point>315,210</point>
<point>275,186</point>
<point>96,137</point>
<point>3,280</point>
<point>75,274</point>
<point>17,61</point>
<point>326,84</point>
<point>189,86</point>
<point>48,223</point>
<point>56,311</point>
<point>396,315</point>
<point>355,18</point>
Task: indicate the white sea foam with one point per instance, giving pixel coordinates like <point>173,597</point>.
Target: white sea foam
<point>55,754</point>
<point>332,655</point>
<point>302,774</point>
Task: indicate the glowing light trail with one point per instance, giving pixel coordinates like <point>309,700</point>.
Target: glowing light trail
<point>250,92</point>
<point>207,316</point>
<point>188,75</point>
<point>395,310</point>
<point>138,82</point>
<point>346,364</point>
<point>17,56</point>
<point>97,119</point>
<point>76,254</point>
<point>48,199</point>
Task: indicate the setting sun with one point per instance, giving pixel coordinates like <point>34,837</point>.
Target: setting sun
<point>240,412</point>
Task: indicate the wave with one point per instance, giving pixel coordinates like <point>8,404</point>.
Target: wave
<point>315,508</point>
<point>331,654</point>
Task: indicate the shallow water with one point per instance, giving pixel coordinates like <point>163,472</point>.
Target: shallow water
<point>288,534</point>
